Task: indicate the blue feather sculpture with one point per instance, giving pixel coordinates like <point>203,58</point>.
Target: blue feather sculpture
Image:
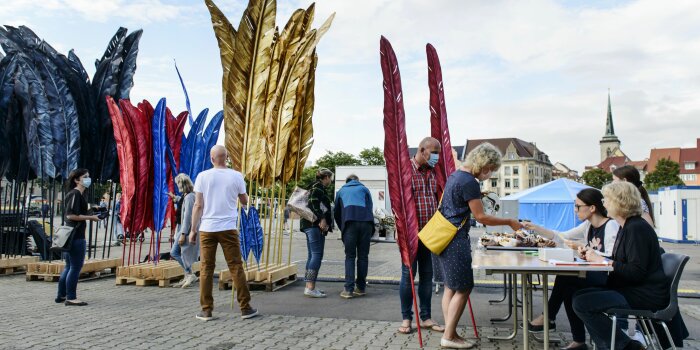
<point>254,233</point>
<point>160,183</point>
<point>187,96</point>
<point>37,119</point>
<point>242,229</point>
<point>194,144</point>
<point>209,138</point>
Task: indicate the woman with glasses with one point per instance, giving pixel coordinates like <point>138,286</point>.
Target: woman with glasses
<point>597,232</point>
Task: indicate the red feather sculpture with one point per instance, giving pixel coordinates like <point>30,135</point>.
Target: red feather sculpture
<point>173,128</point>
<point>398,162</point>
<point>141,133</point>
<point>125,152</point>
<point>146,161</point>
<point>441,131</point>
<point>438,119</point>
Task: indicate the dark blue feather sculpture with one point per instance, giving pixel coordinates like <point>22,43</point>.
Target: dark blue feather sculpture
<point>243,229</point>
<point>160,180</point>
<point>209,138</point>
<point>254,233</point>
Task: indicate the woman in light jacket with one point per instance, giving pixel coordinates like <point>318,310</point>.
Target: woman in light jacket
<point>598,232</point>
<point>184,252</point>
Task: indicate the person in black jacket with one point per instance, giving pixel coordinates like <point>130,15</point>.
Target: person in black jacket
<point>637,280</point>
<point>316,231</point>
<point>76,216</point>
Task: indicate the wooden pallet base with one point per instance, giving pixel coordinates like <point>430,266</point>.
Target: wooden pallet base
<point>149,274</point>
<point>92,269</point>
<point>270,279</point>
<point>15,265</point>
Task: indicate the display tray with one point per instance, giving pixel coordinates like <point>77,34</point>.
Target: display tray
<point>522,249</point>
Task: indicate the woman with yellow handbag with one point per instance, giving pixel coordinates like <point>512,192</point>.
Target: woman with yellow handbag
<point>461,198</point>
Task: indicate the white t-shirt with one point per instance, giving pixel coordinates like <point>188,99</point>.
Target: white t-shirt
<point>220,189</point>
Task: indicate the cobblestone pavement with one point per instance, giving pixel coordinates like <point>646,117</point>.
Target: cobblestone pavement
<point>130,317</point>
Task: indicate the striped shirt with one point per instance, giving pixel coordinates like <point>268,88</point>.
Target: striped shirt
<point>424,185</point>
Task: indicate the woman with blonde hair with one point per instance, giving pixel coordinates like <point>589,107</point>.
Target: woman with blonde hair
<point>184,252</point>
<point>462,198</point>
<point>637,280</point>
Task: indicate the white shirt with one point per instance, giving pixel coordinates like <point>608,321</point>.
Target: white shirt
<point>220,189</point>
<point>580,233</point>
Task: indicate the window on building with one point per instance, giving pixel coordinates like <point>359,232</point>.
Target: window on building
<point>511,156</point>
<point>688,177</point>
<point>507,193</point>
<point>506,170</point>
<point>529,170</point>
<point>494,183</point>
<point>516,170</point>
<point>516,183</point>
<point>529,183</point>
<point>689,165</point>
<point>507,183</point>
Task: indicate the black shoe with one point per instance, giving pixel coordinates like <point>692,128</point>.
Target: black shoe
<point>579,347</point>
<point>538,329</point>
<point>59,300</point>
<point>72,303</point>
<point>249,313</point>
<point>204,315</point>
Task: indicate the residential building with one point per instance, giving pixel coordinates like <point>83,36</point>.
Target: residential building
<point>523,166</point>
<point>687,158</point>
<point>561,171</point>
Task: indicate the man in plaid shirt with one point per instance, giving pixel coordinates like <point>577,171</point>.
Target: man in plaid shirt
<point>424,185</point>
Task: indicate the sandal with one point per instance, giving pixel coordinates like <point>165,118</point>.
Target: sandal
<point>405,330</point>
<point>433,327</point>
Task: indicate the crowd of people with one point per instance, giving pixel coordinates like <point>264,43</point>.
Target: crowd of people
<point>617,227</point>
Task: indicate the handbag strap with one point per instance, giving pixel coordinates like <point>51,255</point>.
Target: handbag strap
<point>463,220</point>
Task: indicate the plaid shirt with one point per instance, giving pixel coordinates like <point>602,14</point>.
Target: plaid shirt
<point>424,185</point>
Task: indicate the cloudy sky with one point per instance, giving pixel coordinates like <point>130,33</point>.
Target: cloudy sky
<point>538,70</point>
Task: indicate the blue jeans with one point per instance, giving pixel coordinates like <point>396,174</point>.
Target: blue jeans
<point>315,243</point>
<point>425,284</point>
<point>176,253</point>
<point>68,282</point>
<point>356,238</point>
<point>589,304</point>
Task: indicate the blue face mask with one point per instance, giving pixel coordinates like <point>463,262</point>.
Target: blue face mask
<point>433,160</point>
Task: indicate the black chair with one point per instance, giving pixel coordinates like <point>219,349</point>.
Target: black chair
<point>673,265</point>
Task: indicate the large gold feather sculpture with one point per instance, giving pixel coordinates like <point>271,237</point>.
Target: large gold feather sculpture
<point>268,91</point>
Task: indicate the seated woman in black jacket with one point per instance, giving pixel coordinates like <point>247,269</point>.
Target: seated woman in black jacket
<point>638,279</point>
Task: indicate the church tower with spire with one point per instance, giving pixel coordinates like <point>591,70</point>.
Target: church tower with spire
<point>609,144</point>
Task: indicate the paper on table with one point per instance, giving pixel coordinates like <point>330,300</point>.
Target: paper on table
<point>578,262</point>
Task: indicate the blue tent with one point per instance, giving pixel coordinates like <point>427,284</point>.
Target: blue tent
<point>550,205</point>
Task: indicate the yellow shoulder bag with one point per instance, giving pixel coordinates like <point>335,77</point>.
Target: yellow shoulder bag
<point>438,232</point>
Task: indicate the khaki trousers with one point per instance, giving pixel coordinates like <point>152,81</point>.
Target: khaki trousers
<point>231,246</point>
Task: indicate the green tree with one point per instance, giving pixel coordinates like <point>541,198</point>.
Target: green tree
<point>372,156</point>
<point>596,177</point>
<point>665,174</point>
<point>331,160</point>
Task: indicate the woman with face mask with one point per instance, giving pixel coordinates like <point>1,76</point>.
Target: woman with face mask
<point>316,231</point>
<point>461,199</point>
<point>598,232</point>
<point>76,211</point>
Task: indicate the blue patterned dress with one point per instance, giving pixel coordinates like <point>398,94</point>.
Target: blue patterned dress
<point>456,259</point>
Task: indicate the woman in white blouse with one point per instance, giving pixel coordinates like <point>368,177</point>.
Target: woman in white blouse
<point>598,232</point>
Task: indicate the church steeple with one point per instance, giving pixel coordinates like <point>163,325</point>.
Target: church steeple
<point>609,128</point>
<point>609,144</point>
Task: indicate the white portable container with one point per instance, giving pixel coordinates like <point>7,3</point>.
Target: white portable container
<point>561,254</point>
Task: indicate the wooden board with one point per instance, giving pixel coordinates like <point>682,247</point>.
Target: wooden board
<point>20,261</point>
<point>51,271</point>
<point>149,274</point>
<point>270,279</point>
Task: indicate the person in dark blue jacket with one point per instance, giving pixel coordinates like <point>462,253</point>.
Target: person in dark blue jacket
<point>353,214</point>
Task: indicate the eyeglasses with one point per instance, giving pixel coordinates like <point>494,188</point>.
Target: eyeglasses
<point>577,207</point>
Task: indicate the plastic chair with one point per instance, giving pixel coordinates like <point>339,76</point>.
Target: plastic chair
<point>673,265</point>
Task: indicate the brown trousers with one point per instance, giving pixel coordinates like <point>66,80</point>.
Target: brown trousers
<point>231,245</point>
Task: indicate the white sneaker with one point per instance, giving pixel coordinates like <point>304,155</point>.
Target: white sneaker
<point>189,279</point>
<point>638,336</point>
<point>313,293</point>
<point>180,283</point>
